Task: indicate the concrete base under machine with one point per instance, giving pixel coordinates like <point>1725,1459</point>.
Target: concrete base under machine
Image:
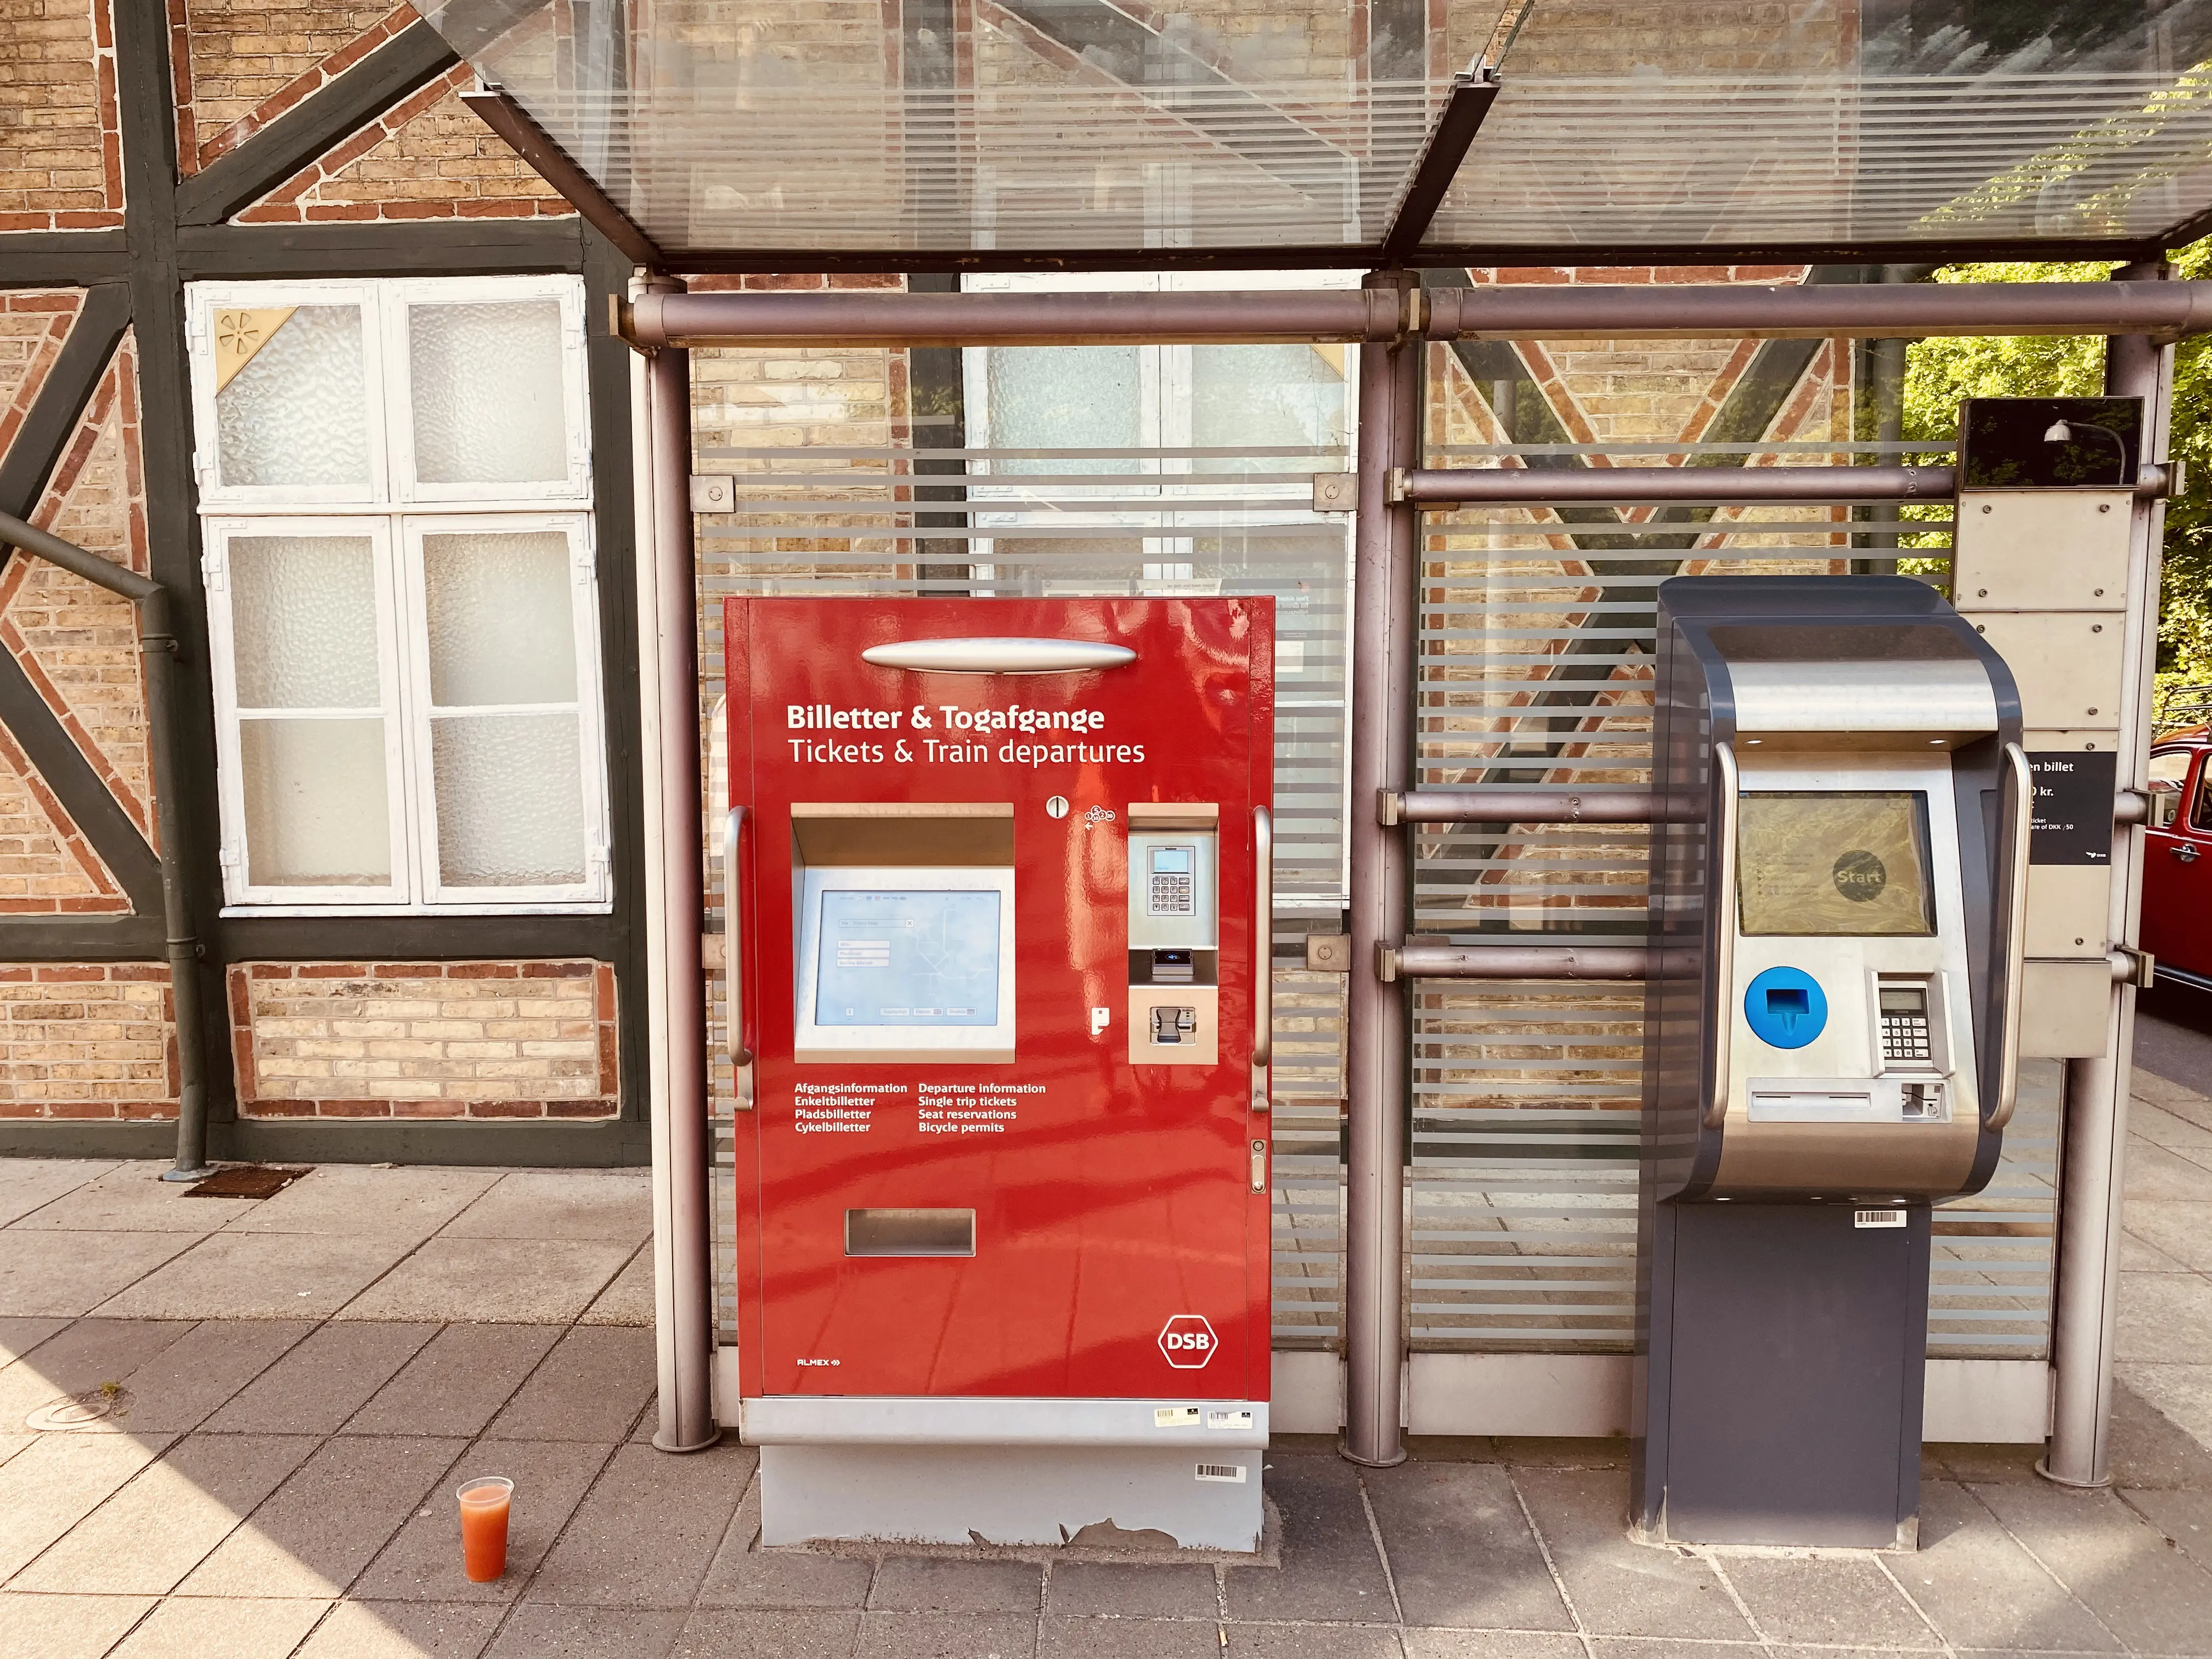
<point>1012,1472</point>
<point>1786,1351</point>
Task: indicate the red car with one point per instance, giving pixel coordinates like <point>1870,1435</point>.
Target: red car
<point>2176,910</point>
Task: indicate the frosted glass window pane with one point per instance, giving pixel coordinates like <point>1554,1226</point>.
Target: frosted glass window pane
<point>510,800</point>
<point>303,615</point>
<point>487,393</point>
<point>298,412</point>
<point>316,812</point>
<point>503,629</point>
<point>1266,397</point>
<point>1065,398</point>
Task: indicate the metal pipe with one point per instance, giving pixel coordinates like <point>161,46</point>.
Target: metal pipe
<point>1805,485</point>
<point>157,651</point>
<point>1500,311</point>
<point>2094,1133</point>
<point>1569,311</point>
<point>668,676</point>
<point>1383,641</point>
<point>1496,806</point>
<point>1289,316</point>
<point>1623,961</point>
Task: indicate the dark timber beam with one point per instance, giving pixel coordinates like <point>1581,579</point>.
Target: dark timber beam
<point>497,110</point>
<point>409,61</point>
<point>1472,95</point>
<point>37,449</point>
<point>62,259</point>
<point>409,247</point>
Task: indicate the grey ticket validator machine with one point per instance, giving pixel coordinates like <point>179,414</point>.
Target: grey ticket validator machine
<point>1832,1041</point>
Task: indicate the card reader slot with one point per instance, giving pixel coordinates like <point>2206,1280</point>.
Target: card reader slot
<point>910,1232</point>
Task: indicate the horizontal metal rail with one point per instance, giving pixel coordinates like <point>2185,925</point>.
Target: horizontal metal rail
<point>1799,486</point>
<point>1806,484</point>
<point>1497,312</point>
<point>1617,962</point>
<point>1521,806</point>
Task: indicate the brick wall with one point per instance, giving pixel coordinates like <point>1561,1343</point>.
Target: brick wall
<point>61,154</point>
<point>428,157</point>
<point>33,325</point>
<point>241,63</point>
<point>87,1042</point>
<point>416,1039</point>
<point>78,643</point>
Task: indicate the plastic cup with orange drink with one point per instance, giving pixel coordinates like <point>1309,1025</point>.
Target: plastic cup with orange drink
<point>484,1503</point>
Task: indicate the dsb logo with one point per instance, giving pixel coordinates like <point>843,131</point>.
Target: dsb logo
<point>1188,1341</point>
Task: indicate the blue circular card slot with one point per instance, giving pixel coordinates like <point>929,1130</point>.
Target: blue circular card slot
<point>1786,1007</point>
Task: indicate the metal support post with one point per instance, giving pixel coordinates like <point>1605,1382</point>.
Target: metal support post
<point>1385,592</point>
<point>2094,1136</point>
<point>668,678</point>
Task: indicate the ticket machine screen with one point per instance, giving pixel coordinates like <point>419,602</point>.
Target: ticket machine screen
<point>1833,864</point>
<point>907,958</point>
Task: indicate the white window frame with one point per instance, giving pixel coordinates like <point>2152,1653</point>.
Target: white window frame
<point>230,770</point>
<point>583,590</point>
<point>399,296</point>
<point>203,301</point>
<point>388,388</point>
<point>397,511</point>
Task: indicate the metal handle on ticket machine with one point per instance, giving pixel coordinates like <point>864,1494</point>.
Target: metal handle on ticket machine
<point>2013,840</point>
<point>1720,848</point>
<point>1263,952</point>
<point>733,962</point>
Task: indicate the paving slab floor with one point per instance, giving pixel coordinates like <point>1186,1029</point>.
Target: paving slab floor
<point>300,1384</point>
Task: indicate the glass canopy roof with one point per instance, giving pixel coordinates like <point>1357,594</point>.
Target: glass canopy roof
<point>801,134</point>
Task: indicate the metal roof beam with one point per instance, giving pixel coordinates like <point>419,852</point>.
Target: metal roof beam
<point>499,112</point>
<point>1472,95</point>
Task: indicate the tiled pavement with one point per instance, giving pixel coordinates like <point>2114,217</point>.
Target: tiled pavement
<point>305,1379</point>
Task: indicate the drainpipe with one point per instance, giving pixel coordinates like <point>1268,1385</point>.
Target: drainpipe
<point>157,649</point>
<point>668,685</point>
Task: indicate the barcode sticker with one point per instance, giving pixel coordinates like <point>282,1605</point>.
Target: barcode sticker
<point>1877,1218</point>
<point>1232,1472</point>
<point>1174,1417</point>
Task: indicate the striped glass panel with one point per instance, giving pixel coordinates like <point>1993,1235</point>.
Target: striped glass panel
<point>1536,640</point>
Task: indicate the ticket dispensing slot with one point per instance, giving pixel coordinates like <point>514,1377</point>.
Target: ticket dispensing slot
<point>905,936</point>
<point>1174,934</point>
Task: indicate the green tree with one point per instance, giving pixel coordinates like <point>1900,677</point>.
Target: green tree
<point>1939,373</point>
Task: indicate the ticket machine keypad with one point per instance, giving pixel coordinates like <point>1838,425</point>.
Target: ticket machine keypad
<point>1904,1024</point>
<point>1174,886</point>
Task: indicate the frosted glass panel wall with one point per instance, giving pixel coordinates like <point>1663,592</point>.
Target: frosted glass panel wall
<point>312,713</point>
<point>317,803</point>
<point>510,800</point>
<point>1048,397</point>
<point>486,393</point>
<point>297,412</point>
<point>303,612</point>
<point>1247,396</point>
<point>502,625</point>
<point>507,753</point>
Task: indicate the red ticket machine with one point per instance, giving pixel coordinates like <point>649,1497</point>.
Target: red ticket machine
<point>1001,1017</point>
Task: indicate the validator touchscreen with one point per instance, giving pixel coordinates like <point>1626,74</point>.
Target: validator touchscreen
<point>1833,864</point>
<point>907,958</point>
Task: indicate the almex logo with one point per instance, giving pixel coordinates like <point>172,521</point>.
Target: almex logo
<point>1188,1341</point>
